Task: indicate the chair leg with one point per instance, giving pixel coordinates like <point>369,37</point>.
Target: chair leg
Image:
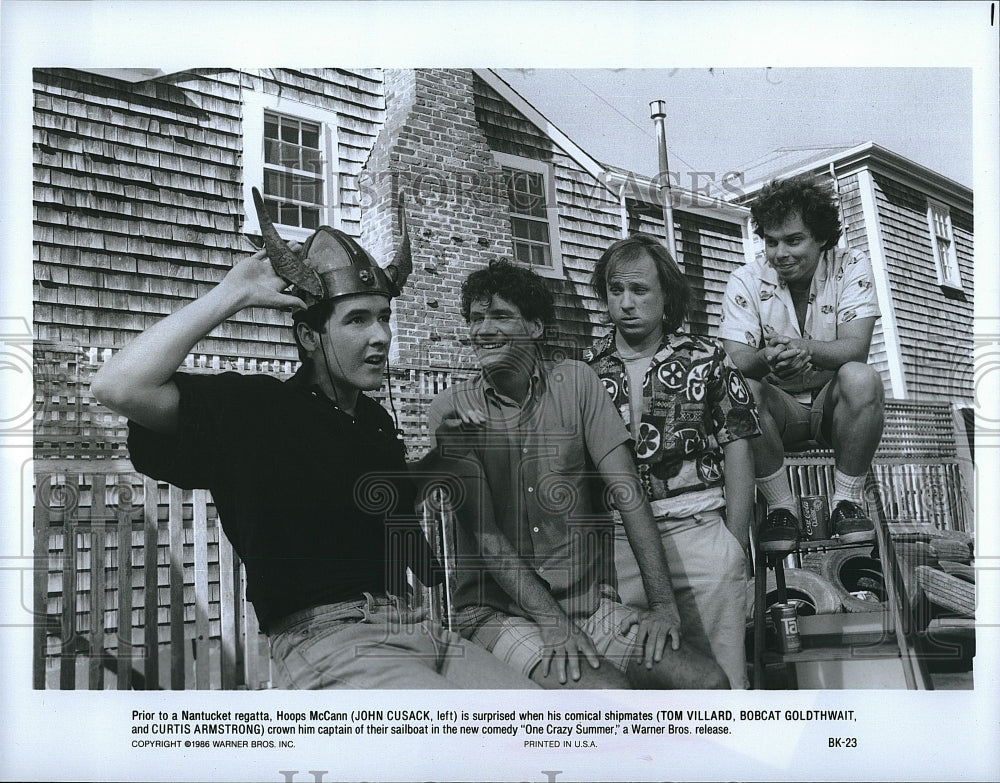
<point>777,562</point>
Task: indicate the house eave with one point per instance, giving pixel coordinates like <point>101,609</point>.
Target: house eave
<point>884,161</point>
<point>684,200</point>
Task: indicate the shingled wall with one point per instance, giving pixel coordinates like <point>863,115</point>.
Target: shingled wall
<point>709,251</point>
<point>935,326</point>
<point>589,213</point>
<point>138,197</point>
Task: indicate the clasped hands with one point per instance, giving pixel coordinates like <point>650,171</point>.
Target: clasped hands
<point>786,356</point>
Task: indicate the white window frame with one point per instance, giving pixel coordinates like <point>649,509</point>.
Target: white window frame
<point>551,207</point>
<point>939,224</point>
<point>255,105</point>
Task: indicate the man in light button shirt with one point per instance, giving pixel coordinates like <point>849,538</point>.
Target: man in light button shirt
<point>799,325</point>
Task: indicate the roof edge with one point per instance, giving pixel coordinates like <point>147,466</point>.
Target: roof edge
<point>879,158</point>
<point>519,102</point>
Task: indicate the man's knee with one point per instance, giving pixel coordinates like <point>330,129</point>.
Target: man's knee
<point>684,669</point>
<point>605,677</point>
<point>859,385</point>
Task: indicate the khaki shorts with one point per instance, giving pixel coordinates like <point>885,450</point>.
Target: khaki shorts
<point>517,641</point>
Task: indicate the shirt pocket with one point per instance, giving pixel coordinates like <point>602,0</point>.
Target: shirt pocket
<point>564,451</point>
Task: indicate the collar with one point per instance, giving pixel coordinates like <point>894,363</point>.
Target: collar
<point>535,384</point>
<point>605,348</point>
<point>300,382</point>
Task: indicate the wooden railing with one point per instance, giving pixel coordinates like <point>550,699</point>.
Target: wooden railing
<point>71,424</point>
<point>141,589</point>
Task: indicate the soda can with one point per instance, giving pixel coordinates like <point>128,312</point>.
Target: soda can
<point>786,627</point>
<point>815,517</point>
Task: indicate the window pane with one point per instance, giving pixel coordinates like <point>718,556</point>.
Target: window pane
<point>949,266</point>
<point>307,189</point>
<point>272,209</point>
<point>272,151</point>
<point>530,230</point>
<point>289,214</point>
<point>312,160</point>
<point>535,185</point>
<point>526,192</point>
<point>289,155</point>
<point>539,232</point>
<point>270,126</point>
<point>289,130</point>
<point>273,184</point>
<point>522,253</point>
<point>310,135</point>
<point>310,217</point>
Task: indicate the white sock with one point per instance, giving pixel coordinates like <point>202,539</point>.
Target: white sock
<point>847,488</point>
<point>777,491</point>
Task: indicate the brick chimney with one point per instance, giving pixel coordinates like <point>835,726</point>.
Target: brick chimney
<point>432,151</point>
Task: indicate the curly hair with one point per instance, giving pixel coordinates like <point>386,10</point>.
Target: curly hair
<point>518,285</point>
<point>804,195</point>
<point>676,289</point>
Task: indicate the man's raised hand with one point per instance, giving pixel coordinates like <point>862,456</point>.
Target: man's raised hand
<point>254,283</point>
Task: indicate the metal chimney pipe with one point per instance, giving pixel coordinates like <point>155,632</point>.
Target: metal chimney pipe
<point>658,113</point>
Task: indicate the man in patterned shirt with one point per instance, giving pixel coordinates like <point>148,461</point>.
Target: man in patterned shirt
<point>799,325</point>
<point>688,410</point>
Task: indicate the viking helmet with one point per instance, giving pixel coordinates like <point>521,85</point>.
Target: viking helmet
<point>332,264</point>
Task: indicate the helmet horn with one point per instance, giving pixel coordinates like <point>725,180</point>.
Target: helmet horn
<point>402,263</point>
<point>286,263</point>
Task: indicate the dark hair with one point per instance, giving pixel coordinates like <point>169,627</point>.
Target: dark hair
<point>805,196</point>
<point>676,289</point>
<point>518,285</point>
<point>315,317</point>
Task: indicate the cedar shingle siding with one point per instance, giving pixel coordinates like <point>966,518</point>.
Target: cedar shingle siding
<point>138,197</point>
<point>856,235</point>
<point>935,329</point>
<point>709,250</point>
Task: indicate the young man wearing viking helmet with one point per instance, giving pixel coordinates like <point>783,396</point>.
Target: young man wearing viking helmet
<point>288,463</point>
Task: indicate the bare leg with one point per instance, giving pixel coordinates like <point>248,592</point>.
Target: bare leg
<point>608,676</point>
<point>854,414</point>
<point>686,668</point>
<point>776,430</point>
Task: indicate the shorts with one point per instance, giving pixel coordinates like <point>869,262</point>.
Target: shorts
<point>517,641</point>
<point>799,415</point>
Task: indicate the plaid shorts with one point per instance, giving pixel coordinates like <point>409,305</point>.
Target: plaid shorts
<point>517,641</point>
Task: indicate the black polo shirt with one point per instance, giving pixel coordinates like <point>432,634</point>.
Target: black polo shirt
<point>317,504</point>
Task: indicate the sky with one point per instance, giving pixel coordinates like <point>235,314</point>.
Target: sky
<point>719,119</point>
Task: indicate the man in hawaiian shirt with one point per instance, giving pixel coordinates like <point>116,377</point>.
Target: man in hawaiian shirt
<point>688,409</point>
<point>799,325</point>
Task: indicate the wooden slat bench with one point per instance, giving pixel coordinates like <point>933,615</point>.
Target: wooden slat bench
<point>920,469</point>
